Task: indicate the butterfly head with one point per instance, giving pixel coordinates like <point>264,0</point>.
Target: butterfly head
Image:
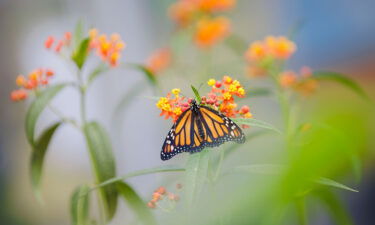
<point>194,105</point>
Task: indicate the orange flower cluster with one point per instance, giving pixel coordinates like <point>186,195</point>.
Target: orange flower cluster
<point>173,105</point>
<point>159,60</point>
<point>160,193</point>
<point>211,31</point>
<point>261,53</point>
<point>304,84</point>
<point>222,95</point>
<point>55,44</point>
<point>109,49</point>
<point>215,5</point>
<point>35,79</point>
<point>184,12</point>
<point>208,28</point>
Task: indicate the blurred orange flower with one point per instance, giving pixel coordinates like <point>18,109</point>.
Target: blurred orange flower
<point>287,79</point>
<point>280,47</point>
<point>257,51</point>
<point>261,54</point>
<point>215,5</point>
<point>211,31</point>
<point>274,47</point>
<point>65,41</point>
<point>108,48</point>
<point>35,79</point>
<point>304,84</point>
<point>18,95</point>
<point>160,194</point>
<point>182,12</point>
<point>159,60</point>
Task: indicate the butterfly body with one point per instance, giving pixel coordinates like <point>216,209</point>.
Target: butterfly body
<point>199,127</point>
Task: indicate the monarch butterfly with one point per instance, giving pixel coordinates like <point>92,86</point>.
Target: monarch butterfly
<point>199,127</point>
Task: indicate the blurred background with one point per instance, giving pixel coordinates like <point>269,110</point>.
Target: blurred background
<point>335,35</point>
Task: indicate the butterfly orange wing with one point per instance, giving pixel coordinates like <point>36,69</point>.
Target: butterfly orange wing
<point>219,128</point>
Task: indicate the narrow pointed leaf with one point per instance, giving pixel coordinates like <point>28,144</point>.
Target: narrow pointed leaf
<point>80,54</point>
<point>256,123</point>
<point>341,79</point>
<point>332,183</point>
<point>301,211</point>
<point>36,109</point>
<point>196,93</point>
<point>78,33</point>
<point>339,213</point>
<point>356,167</point>
<point>100,69</point>
<point>151,77</point>
<point>103,164</point>
<point>160,169</point>
<point>37,157</point>
<point>196,175</point>
<point>79,206</point>
<point>136,203</point>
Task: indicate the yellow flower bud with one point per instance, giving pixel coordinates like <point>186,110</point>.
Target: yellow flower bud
<point>211,82</point>
<point>176,91</point>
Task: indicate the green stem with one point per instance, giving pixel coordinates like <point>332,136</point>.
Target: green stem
<point>284,103</point>
<point>301,210</point>
<point>82,90</point>
<point>83,106</point>
<point>221,159</point>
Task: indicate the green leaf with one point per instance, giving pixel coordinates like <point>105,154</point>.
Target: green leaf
<point>36,109</point>
<point>332,183</point>
<point>103,164</point>
<point>342,79</point>
<point>160,169</point>
<point>339,213</point>
<point>255,123</point>
<point>78,33</point>
<point>80,54</point>
<point>196,175</point>
<point>272,169</point>
<point>356,166</point>
<point>301,211</point>
<point>136,203</point>
<point>196,93</point>
<point>37,157</point>
<point>101,68</point>
<point>79,206</point>
<point>151,77</point>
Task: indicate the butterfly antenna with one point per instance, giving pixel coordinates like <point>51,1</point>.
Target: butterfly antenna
<point>199,88</point>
